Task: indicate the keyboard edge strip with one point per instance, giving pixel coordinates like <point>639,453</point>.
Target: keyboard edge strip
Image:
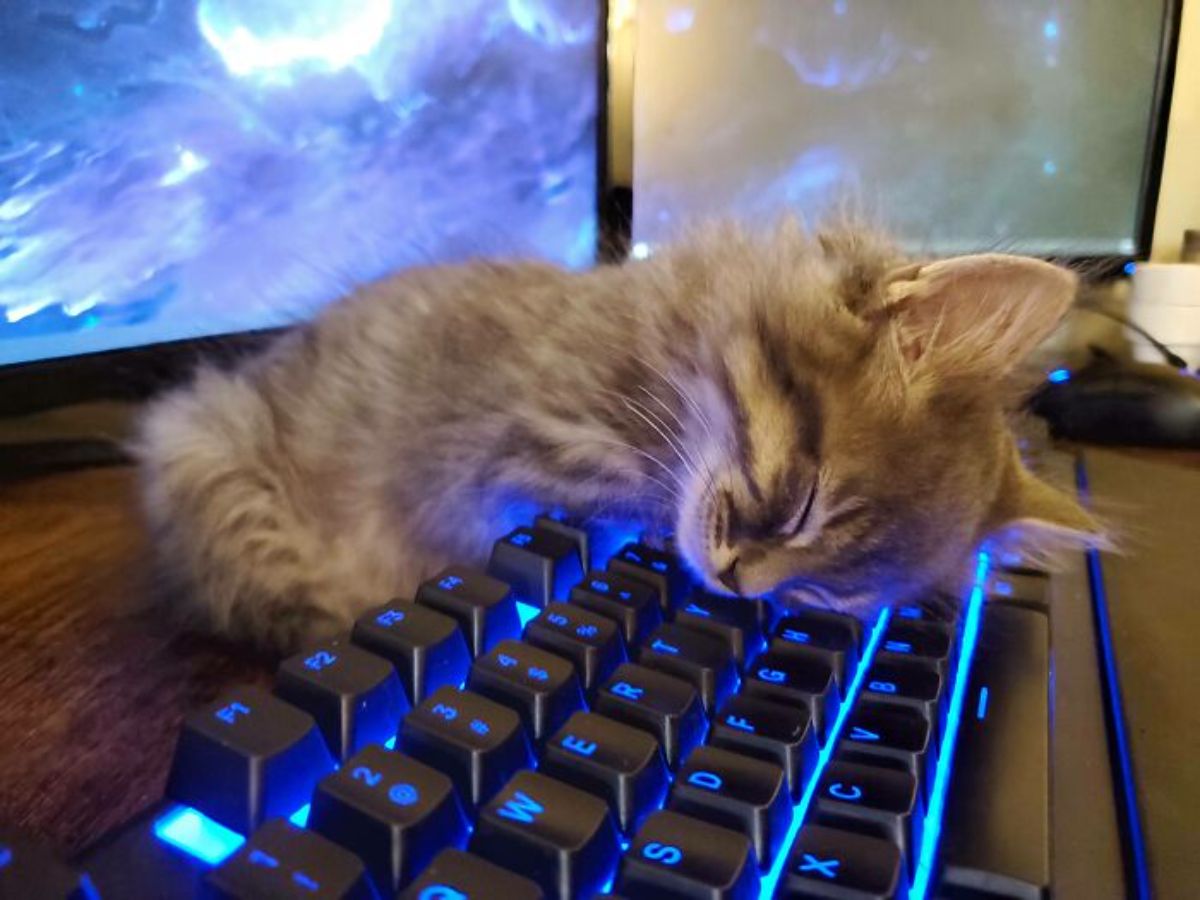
<point>931,832</point>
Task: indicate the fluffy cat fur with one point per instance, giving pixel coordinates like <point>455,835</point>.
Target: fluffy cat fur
<point>806,412</point>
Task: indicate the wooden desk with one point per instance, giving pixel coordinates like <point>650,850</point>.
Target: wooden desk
<point>93,691</point>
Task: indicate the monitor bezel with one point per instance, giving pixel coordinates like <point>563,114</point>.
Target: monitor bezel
<point>137,372</point>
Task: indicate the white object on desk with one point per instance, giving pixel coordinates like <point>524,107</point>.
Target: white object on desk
<point>1166,302</point>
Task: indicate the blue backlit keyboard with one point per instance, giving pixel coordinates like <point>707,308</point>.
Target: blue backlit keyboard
<point>565,725</point>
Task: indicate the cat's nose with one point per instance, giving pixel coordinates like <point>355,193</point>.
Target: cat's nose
<point>729,577</point>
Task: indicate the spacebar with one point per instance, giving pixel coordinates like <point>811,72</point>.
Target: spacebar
<point>996,832</point>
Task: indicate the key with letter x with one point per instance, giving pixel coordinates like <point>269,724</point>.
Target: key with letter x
<point>827,862</point>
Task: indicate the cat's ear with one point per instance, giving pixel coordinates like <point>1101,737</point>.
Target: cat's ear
<point>1041,520</point>
<point>976,314</point>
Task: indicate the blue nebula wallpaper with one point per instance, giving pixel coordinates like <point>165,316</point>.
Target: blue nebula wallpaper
<point>961,125</point>
<point>181,168</point>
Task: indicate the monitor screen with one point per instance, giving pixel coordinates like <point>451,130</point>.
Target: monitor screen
<point>180,168</point>
<point>961,125</point>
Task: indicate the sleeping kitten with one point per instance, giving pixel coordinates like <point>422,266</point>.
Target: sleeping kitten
<point>811,413</point>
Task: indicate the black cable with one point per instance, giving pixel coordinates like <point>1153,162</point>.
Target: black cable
<point>1173,359</point>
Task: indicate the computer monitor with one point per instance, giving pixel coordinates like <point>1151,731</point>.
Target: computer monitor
<point>961,125</point>
<point>174,169</point>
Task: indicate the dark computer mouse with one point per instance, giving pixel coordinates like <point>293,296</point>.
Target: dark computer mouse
<point>1122,403</point>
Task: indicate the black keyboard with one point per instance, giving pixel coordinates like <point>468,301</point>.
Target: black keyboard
<point>565,725</point>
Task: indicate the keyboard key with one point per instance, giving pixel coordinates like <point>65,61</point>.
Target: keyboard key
<point>915,683</point>
<point>426,647</point>
<point>281,860</point>
<point>620,764</point>
<point>392,811</point>
<point>938,608</point>
<point>889,736</point>
<point>247,757</point>
<point>1022,588</point>
<point>455,875</point>
<point>477,742</point>
<point>770,731</point>
<point>678,856</point>
<point>539,686</point>
<point>870,800</point>
<point>729,619</point>
<point>997,824</point>
<point>795,681</point>
<point>28,869</point>
<point>826,862</point>
<point>632,604</point>
<point>832,637</point>
<point>736,792</point>
<point>354,695</point>
<point>557,835</point>
<point>926,640</point>
<point>662,571</point>
<point>704,662</point>
<point>574,532</point>
<point>484,607</point>
<point>540,565</point>
<point>666,707</point>
<point>590,641</point>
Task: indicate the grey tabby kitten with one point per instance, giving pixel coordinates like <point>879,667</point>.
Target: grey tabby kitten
<point>806,412</point>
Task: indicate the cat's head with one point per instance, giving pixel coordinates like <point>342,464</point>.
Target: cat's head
<point>848,439</point>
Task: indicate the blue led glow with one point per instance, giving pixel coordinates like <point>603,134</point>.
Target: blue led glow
<point>390,743</point>
<point>1050,30</point>
<point>982,704</point>
<point>771,878</point>
<point>197,835</point>
<point>1118,728</point>
<point>300,817</point>
<point>941,780</point>
<point>526,612</point>
<point>1130,267</point>
<point>1058,376</point>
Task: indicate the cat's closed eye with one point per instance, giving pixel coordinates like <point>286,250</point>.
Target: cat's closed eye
<point>793,528</point>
